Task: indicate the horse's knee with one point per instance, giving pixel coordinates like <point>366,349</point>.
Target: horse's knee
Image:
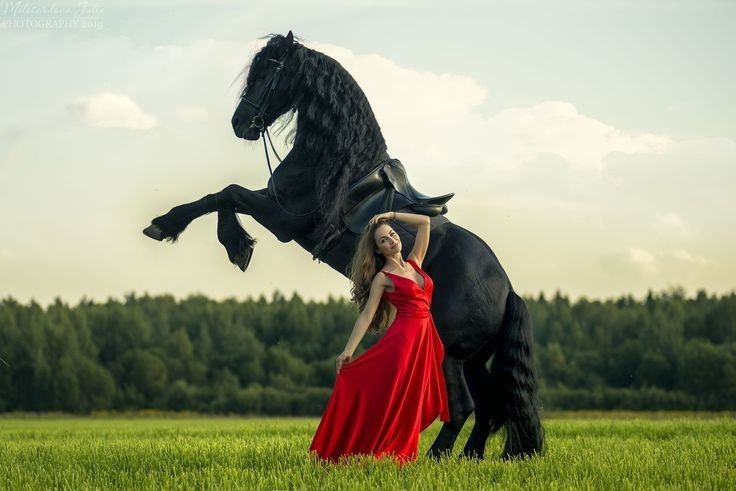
<point>229,193</point>
<point>460,416</point>
<point>459,397</point>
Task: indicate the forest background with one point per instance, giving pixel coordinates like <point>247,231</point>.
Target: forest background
<point>277,356</point>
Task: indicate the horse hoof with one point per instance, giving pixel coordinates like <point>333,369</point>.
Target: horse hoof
<point>154,232</point>
<point>242,260</point>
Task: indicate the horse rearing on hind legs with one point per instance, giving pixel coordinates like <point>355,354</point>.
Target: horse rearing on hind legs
<point>334,178</point>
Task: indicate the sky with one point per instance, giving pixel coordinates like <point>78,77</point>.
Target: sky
<point>591,144</point>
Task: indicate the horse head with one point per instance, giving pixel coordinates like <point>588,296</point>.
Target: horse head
<point>270,88</point>
<point>336,138</point>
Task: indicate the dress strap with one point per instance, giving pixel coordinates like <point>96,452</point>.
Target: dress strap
<point>414,265</point>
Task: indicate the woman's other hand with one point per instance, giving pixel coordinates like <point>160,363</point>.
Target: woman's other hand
<point>343,358</point>
<point>388,214</point>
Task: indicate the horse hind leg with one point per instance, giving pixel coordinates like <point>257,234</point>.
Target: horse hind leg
<point>460,404</point>
<point>478,379</point>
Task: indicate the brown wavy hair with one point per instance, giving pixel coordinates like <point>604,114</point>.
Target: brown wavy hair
<point>363,268</point>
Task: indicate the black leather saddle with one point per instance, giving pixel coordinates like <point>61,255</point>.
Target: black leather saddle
<point>386,187</point>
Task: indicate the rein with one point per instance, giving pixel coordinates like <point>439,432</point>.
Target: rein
<point>332,233</point>
<point>258,122</point>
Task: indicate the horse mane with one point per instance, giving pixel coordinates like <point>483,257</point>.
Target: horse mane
<point>336,136</point>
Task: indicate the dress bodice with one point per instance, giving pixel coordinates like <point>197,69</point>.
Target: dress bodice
<point>410,299</point>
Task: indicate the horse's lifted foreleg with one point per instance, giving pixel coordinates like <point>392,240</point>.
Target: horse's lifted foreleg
<point>231,200</point>
<point>231,234</point>
<point>461,405</point>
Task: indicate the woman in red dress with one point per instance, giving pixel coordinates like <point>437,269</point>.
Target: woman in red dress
<point>384,398</point>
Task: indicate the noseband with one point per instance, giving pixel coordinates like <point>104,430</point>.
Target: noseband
<point>258,122</point>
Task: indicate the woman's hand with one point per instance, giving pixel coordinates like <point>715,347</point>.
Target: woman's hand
<point>389,214</point>
<point>343,358</point>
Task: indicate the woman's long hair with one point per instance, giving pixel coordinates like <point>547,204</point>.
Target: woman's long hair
<point>363,268</point>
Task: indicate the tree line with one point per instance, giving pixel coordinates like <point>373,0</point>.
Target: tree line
<point>277,356</point>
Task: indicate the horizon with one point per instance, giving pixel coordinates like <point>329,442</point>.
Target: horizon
<point>668,291</point>
<point>590,145</point>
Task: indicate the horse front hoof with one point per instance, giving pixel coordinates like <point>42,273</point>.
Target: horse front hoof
<point>154,232</point>
<point>242,260</point>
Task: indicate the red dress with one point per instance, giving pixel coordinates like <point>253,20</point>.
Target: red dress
<point>384,398</point>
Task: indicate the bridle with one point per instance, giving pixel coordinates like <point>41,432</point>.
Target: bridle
<point>258,122</point>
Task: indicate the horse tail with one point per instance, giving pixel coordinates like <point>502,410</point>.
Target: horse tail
<point>513,382</point>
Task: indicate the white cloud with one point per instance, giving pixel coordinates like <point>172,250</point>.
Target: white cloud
<point>641,258</point>
<point>636,263</point>
<point>557,127</point>
<point>633,262</point>
<point>109,110</point>
<point>432,118</point>
<point>671,225</point>
<point>687,257</point>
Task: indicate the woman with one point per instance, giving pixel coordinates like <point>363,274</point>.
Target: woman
<point>383,399</point>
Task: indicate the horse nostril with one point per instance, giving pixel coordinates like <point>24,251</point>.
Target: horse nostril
<point>236,121</point>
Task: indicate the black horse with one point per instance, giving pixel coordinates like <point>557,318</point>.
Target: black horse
<point>336,141</point>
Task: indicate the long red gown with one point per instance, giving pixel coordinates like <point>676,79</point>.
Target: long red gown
<point>384,398</point>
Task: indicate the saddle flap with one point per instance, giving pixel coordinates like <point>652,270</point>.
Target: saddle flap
<point>357,217</point>
<point>365,186</point>
<point>386,187</point>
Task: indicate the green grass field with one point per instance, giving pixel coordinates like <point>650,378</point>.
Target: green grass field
<point>584,450</point>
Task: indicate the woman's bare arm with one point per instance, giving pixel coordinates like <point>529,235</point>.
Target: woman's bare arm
<point>378,285</point>
<point>421,242</point>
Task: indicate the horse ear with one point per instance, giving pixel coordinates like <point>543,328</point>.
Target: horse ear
<point>289,39</point>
